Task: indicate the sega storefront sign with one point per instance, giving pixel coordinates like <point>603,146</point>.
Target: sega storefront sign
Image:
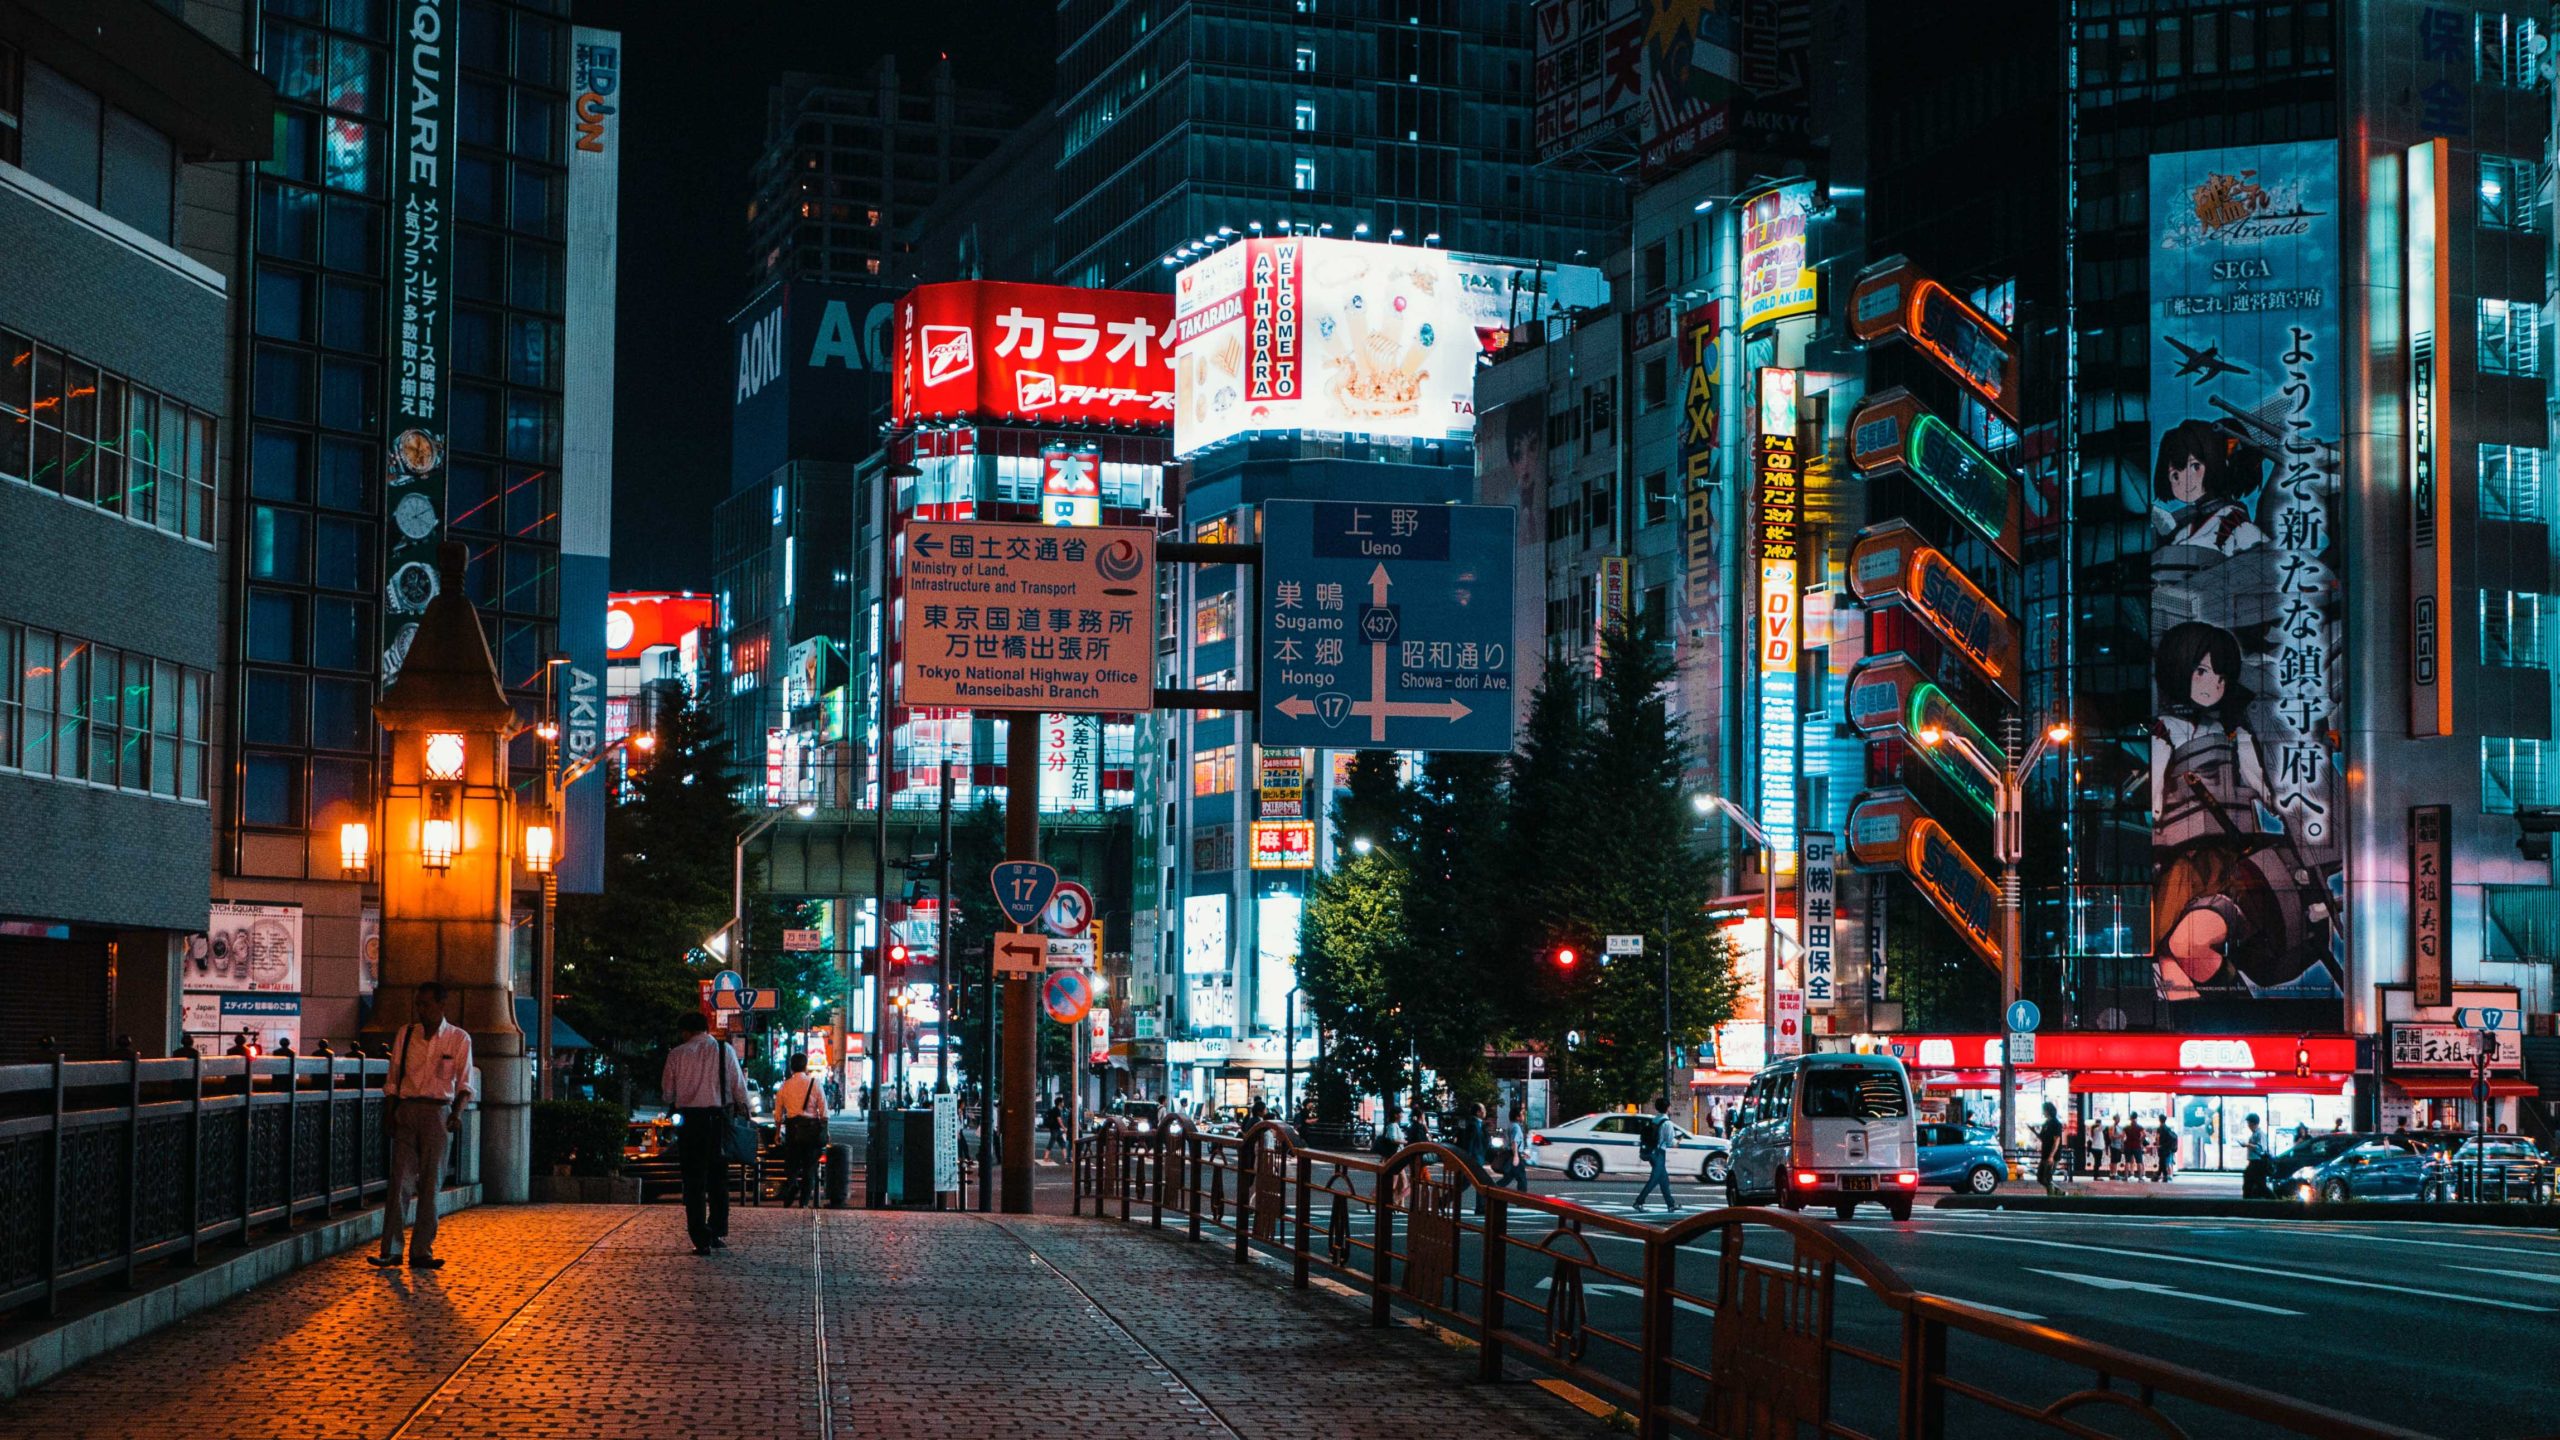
<point>1891,563</point>
<point>1037,354</point>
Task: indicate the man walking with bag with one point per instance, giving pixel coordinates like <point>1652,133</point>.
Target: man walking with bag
<point>1654,1148</point>
<point>802,1106</point>
<point>430,1078</point>
<point>705,1086</point>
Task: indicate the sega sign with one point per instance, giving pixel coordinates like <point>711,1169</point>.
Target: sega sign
<point>1891,563</point>
<point>1040,354</point>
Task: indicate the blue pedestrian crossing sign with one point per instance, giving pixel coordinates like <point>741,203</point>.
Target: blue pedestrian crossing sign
<point>2024,1016</point>
<point>1023,888</point>
<point>1387,625</point>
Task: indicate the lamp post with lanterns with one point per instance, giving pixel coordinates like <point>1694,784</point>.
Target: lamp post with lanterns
<point>2009,840</point>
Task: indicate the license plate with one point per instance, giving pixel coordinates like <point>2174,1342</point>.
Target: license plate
<point>1857,1182</point>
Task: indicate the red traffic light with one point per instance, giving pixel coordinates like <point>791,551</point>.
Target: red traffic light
<point>1565,957</point>
<point>897,953</point>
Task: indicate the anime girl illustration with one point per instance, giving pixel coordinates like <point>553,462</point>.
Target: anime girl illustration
<point>2223,912</point>
<point>2200,488</point>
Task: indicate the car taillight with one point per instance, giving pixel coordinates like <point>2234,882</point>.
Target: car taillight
<point>1807,1178</point>
<point>1906,1178</point>
<point>1537,1139</point>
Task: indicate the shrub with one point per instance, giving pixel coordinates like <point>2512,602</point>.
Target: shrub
<point>585,1135</point>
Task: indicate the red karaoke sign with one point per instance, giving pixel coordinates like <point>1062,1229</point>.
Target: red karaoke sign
<point>1035,354</point>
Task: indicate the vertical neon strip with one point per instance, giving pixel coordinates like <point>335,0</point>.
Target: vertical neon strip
<point>2430,316</point>
<point>1780,623</point>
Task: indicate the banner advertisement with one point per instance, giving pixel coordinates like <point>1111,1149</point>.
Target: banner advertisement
<point>217,1021</point>
<point>2429,299</point>
<point>246,947</point>
<point>419,322</point>
<point>1070,764</point>
<point>1817,892</point>
<point>1511,469</point>
<point>1035,354</point>
<point>1722,74</point>
<point>1589,72</point>
<point>1777,284</point>
<point>2247,604</point>
<point>1070,484</point>
<point>2430,934</point>
<point>1780,625</point>
<point>1204,935</point>
<point>1611,587</point>
<point>1275,959</point>
<point>1283,845</point>
<point>813,365</point>
<point>586,442</point>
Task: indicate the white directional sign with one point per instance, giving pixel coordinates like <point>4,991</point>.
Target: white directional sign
<point>1626,944</point>
<point>1387,626</point>
<point>804,939</point>
<point>1018,954</point>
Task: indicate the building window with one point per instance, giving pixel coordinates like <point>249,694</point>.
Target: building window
<point>1213,772</point>
<point>96,154</point>
<point>94,436</point>
<point>1213,848</point>
<point>1214,619</point>
<point>71,710</point>
<point>2513,631</point>
<point>2511,483</point>
<point>1657,497</point>
<point>1305,118</point>
<point>10,85</point>
<point>2517,774</point>
<point>2509,193</point>
<point>1656,374</point>
<point>1306,60</point>
<point>2510,337</point>
<point>2507,51</point>
<point>1302,175</point>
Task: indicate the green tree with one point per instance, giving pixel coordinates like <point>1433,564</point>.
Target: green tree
<point>1447,980</point>
<point>1351,944</point>
<point>628,966</point>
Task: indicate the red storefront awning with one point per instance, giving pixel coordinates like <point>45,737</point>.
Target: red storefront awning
<point>2206,1082</point>
<point>2132,1052</point>
<point>2449,1089</point>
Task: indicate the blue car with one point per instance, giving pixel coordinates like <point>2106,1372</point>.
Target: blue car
<point>2371,1168</point>
<point>1962,1160</point>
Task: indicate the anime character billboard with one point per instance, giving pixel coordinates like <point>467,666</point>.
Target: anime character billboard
<point>2246,605</point>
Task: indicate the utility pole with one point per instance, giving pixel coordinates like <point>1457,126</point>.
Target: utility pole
<point>942,941</point>
<point>1021,1032</point>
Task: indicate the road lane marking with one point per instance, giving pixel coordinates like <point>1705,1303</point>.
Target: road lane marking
<point>2534,1276</point>
<point>2260,1270</point>
<point>2109,1282</point>
<point>2430,1244</point>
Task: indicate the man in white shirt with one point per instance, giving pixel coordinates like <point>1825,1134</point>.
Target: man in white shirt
<point>704,1085</point>
<point>429,1081</point>
<point>801,1106</point>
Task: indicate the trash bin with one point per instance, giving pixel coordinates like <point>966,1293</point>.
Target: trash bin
<point>915,1157</point>
<point>838,1164</point>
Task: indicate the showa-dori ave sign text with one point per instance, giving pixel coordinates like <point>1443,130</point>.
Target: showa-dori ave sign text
<point>1028,617</point>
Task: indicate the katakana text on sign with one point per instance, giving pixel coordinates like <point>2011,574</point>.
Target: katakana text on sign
<point>1028,617</point>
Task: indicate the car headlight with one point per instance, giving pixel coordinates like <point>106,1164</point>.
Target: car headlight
<point>2306,1174</point>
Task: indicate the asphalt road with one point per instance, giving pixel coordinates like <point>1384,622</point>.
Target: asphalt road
<point>2447,1329</point>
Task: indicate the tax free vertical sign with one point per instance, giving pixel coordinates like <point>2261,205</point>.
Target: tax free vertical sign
<point>420,315</point>
<point>1777,539</point>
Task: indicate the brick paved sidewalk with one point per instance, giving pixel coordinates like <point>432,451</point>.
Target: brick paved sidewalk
<point>567,1322</point>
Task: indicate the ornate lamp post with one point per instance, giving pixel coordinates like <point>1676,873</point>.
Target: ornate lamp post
<point>447,838</point>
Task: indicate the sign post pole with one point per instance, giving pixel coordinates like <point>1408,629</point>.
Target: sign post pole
<point>1021,1030</point>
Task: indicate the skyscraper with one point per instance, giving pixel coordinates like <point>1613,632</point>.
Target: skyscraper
<point>1396,115</point>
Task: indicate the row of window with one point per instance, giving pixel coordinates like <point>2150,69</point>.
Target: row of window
<point>91,435</point>
<point>74,710</point>
<point>68,137</point>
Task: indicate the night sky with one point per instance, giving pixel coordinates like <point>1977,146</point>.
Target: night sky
<point>695,73</point>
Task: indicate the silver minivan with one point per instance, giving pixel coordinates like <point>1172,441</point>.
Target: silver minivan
<point>1830,1129</point>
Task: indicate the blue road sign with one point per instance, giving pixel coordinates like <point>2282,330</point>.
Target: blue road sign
<point>2486,1017</point>
<point>1387,626</point>
<point>1023,888</point>
<point>2024,1016</point>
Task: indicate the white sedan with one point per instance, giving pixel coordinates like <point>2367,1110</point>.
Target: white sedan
<point>1597,1145</point>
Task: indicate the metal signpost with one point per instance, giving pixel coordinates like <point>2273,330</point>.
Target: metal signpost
<point>1386,626</point>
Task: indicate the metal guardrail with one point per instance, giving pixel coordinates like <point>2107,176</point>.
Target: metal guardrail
<point>110,1165</point>
<point>1746,1322</point>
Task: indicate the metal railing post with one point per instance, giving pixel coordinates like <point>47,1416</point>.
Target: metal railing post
<point>1190,1181</point>
<point>329,1137</point>
<point>1924,1358</point>
<point>132,1163</point>
<point>1248,1195</point>
<point>1382,1263</point>
<point>1306,1203</point>
<point>248,1144</point>
<point>53,1199</point>
<point>1156,1188</point>
<point>195,1165</point>
<point>292,1138</point>
<point>1655,1342</point>
<point>1496,1242</point>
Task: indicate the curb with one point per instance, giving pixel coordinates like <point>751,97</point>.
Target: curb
<point>174,1293</point>
<point>2519,1216</point>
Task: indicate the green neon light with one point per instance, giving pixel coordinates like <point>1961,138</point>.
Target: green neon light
<point>1930,706</point>
<point>1971,485</point>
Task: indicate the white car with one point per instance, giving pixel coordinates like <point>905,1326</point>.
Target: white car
<point>1597,1145</point>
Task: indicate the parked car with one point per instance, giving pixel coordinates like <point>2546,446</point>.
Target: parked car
<point>1960,1159</point>
<point>649,1139</point>
<point>1831,1129</point>
<point>2491,1167</point>
<point>2373,1168</point>
<point>1595,1145</point>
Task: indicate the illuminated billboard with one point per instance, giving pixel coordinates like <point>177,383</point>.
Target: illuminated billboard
<point>1892,300</point>
<point>1298,332</point>
<point>1894,430</point>
<point>1780,626</point>
<point>1776,282</point>
<point>1033,354</point>
<point>1892,564</point>
<point>2247,591</point>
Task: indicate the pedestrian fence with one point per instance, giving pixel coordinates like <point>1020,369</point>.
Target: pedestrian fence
<point>107,1166</point>
<point>1733,1324</point>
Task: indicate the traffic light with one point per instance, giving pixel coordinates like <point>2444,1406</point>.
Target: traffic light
<point>1566,959</point>
<point>895,972</point>
<point>2302,1056</point>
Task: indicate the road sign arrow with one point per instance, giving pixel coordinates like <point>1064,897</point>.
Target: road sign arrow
<point>1296,707</point>
<point>1378,583</point>
<point>2110,1282</point>
<point>1020,954</point>
<point>924,545</point>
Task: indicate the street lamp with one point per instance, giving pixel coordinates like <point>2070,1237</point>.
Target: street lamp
<point>1708,805</point>
<point>2009,837</point>
<point>1360,845</point>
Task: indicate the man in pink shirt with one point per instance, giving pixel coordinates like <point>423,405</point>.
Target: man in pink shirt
<point>429,1081</point>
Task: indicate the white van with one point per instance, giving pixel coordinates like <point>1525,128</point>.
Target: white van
<point>1831,1129</point>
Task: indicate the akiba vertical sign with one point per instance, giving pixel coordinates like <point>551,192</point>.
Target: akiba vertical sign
<point>2248,594</point>
<point>420,318</point>
<point>586,438</point>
